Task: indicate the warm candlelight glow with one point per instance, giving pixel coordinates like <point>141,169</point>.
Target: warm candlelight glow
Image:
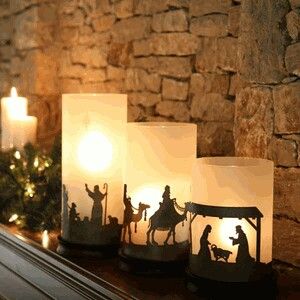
<point>36,162</point>
<point>13,92</point>
<point>95,152</point>
<point>13,218</point>
<point>45,239</point>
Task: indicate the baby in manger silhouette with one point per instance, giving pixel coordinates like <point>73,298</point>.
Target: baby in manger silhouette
<point>243,255</point>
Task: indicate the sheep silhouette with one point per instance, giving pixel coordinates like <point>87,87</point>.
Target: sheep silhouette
<point>220,253</point>
<point>112,220</point>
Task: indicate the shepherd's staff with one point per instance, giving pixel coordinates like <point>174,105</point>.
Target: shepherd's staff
<point>105,185</point>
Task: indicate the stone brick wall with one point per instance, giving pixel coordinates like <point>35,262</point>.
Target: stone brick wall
<point>267,112</point>
<point>178,60</point>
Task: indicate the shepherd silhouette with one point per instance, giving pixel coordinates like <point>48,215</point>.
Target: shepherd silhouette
<point>97,210</point>
<point>243,255</point>
<point>204,252</point>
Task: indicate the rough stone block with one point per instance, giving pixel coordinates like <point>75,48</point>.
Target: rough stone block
<point>227,53</point>
<point>39,72</point>
<point>88,56</point>
<point>177,67</point>
<point>236,84</point>
<point>292,59</point>
<point>287,108</point>
<point>253,128</point>
<point>262,41</point>
<point>234,20</point>
<point>149,7</point>
<point>179,3</point>
<point>145,99</point>
<point>139,80</point>
<point>170,21</point>
<point>6,29</point>
<point>174,90</point>
<point>69,36</point>
<point>295,3</point>
<point>131,29</point>
<point>135,113</point>
<point>204,7</point>
<point>283,152</point>
<point>123,9</point>
<point>293,24</point>
<point>286,192</point>
<point>5,53</point>
<point>119,54</point>
<point>103,23</point>
<point>93,75</point>
<point>75,19</point>
<point>174,44</point>
<point>70,85</point>
<point>15,66</point>
<point>178,110</point>
<point>286,240</point>
<point>114,73</point>
<point>212,107</point>
<point>215,139</point>
<point>210,25</point>
<point>209,83</point>
<point>206,58</point>
<point>142,48</point>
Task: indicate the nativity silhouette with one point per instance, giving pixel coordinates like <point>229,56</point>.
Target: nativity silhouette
<point>164,219</point>
<point>93,230</point>
<point>212,261</point>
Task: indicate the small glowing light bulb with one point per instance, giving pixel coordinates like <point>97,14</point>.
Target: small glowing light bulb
<point>17,154</point>
<point>12,166</point>
<point>13,218</point>
<point>36,162</point>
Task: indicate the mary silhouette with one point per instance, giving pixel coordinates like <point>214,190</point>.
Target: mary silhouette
<point>204,252</point>
<point>97,210</point>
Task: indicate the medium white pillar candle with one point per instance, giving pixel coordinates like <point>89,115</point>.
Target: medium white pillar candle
<point>24,131</point>
<point>93,147</point>
<point>158,177</point>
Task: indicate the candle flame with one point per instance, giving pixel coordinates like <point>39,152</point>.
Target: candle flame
<point>13,92</point>
<point>95,152</point>
<point>45,239</point>
<point>13,218</point>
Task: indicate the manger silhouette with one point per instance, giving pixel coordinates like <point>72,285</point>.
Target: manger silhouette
<point>212,261</point>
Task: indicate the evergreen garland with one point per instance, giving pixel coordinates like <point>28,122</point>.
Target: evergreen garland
<point>30,187</point>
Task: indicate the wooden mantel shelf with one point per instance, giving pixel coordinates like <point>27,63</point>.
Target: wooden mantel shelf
<point>29,271</point>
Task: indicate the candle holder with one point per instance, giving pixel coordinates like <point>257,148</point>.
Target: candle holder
<point>231,227</point>
<point>158,177</point>
<point>93,142</point>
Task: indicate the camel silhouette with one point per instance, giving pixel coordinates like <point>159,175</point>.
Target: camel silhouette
<point>131,217</point>
<point>157,223</point>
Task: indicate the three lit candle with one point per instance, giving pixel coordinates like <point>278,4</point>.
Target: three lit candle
<point>18,128</point>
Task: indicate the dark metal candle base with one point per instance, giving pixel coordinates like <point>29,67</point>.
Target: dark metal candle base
<point>264,288</point>
<point>69,249</point>
<point>149,267</point>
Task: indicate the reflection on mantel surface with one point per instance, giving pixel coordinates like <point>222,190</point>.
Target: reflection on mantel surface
<point>139,287</point>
